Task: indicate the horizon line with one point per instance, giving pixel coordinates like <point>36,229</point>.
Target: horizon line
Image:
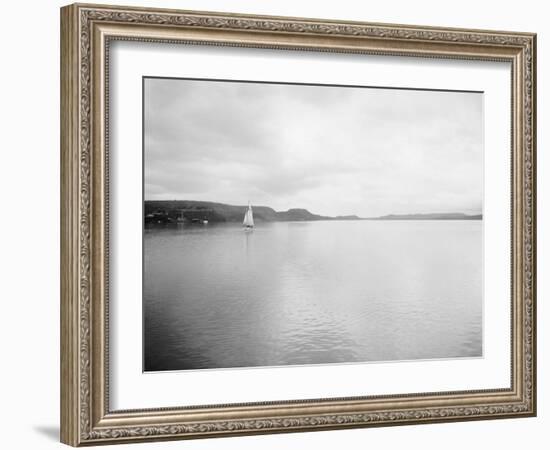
<point>314,213</point>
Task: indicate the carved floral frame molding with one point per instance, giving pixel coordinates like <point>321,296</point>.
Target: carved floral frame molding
<point>86,32</point>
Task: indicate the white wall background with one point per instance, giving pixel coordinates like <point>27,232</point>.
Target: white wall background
<point>29,246</point>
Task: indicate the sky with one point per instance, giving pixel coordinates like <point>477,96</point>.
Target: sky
<point>331,150</point>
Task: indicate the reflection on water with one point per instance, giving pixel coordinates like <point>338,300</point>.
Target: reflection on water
<point>311,292</point>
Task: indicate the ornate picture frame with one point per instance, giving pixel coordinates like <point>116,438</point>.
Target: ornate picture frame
<point>87,31</point>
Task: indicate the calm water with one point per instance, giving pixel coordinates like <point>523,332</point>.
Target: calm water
<point>311,293</point>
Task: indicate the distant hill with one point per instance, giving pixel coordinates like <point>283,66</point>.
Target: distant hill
<point>170,210</point>
<point>434,216</point>
<point>167,211</point>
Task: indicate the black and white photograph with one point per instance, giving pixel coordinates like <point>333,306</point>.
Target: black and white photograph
<point>291,224</point>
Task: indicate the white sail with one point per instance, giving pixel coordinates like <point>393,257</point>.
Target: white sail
<point>248,217</point>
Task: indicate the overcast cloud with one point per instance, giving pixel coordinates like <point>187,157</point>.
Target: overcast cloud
<point>331,150</point>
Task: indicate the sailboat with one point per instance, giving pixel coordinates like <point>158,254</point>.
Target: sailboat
<point>248,222</point>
